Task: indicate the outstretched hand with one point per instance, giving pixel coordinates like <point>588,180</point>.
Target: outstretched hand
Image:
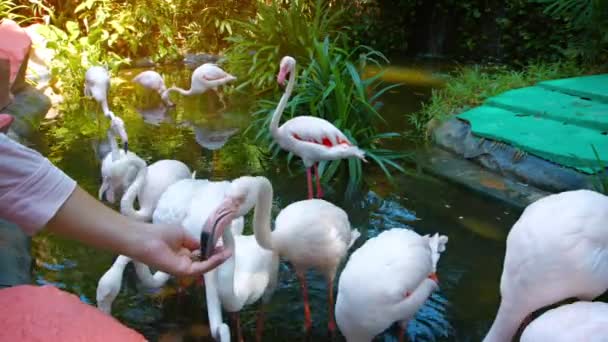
<point>170,249</point>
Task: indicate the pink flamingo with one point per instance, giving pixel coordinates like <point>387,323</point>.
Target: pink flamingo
<point>310,138</point>
<point>206,77</point>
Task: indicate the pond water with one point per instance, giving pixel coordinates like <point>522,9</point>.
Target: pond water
<point>211,142</point>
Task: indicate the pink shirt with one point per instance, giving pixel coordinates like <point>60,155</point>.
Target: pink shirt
<point>32,189</point>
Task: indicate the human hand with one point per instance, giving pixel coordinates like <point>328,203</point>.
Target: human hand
<point>170,249</point>
<point>5,122</point>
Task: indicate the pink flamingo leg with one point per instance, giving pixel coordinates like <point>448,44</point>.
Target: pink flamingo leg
<point>237,321</point>
<point>307,319</point>
<point>319,189</point>
<point>332,322</point>
<point>309,182</point>
<point>402,332</point>
<point>260,323</point>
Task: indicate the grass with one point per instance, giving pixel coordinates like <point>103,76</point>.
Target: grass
<point>470,86</point>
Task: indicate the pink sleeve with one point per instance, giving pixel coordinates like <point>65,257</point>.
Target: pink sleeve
<point>32,189</point>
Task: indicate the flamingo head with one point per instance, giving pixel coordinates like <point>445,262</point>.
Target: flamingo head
<point>118,126</point>
<point>287,66</point>
<point>239,200</point>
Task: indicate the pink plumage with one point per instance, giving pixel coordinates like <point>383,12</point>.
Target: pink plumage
<point>310,138</point>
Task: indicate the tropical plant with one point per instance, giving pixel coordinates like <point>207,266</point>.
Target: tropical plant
<point>330,87</point>
<point>8,9</point>
<point>588,20</point>
<point>600,178</point>
<point>278,29</point>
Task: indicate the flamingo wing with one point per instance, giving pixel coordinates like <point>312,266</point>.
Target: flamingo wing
<point>310,129</point>
<point>211,72</point>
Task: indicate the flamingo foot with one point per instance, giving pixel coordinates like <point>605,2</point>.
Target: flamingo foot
<point>309,183</point>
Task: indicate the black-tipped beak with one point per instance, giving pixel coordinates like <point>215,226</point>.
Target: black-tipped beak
<point>126,146</point>
<point>209,236</point>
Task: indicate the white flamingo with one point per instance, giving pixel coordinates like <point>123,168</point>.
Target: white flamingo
<point>97,85</point>
<point>310,234</point>
<point>558,249</point>
<point>310,138</point>
<point>580,322</point>
<point>385,281</point>
<point>208,76</point>
<point>152,80</point>
<point>248,276</point>
<point>149,184</point>
<point>110,283</point>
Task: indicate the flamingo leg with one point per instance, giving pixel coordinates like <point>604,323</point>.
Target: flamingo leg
<point>318,177</point>
<point>402,332</point>
<point>307,319</point>
<point>221,97</point>
<point>260,323</point>
<point>237,322</point>
<point>330,308</point>
<point>309,182</point>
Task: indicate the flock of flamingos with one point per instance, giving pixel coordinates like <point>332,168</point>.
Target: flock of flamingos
<point>557,250</point>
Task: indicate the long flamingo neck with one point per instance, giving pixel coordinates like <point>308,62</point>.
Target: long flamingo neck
<point>155,280</point>
<point>261,215</point>
<point>505,324</point>
<point>126,203</point>
<point>276,117</point>
<point>105,108</point>
<point>180,90</point>
<point>214,306</point>
<point>113,145</point>
<point>410,305</point>
<point>229,297</point>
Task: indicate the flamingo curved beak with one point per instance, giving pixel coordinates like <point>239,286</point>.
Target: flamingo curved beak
<point>283,72</point>
<point>126,146</point>
<point>215,226</point>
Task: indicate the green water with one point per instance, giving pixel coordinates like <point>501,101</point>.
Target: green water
<point>462,310</point>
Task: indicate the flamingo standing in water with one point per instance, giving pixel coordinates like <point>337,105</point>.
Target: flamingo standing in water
<point>580,322</point>
<point>385,281</point>
<point>208,76</point>
<point>310,138</point>
<point>152,80</point>
<point>310,234</point>
<point>558,249</point>
<point>97,85</point>
<point>249,275</point>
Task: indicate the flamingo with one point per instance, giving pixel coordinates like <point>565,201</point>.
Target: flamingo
<point>152,80</point>
<point>205,77</point>
<point>580,321</point>
<point>96,85</point>
<point>558,249</point>
<point>149,184</point>
<point>310,138</point>
<point>249,275</point>
<point>310,234</point>
<point>385,281</point>
<point>110,283</point>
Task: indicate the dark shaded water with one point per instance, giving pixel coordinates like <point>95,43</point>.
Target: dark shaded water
<point>469,270</point>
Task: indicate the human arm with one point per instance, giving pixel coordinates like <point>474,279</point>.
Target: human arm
<point>34,194</point>
<point>165,247</point>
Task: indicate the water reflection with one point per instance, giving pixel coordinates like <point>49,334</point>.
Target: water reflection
<point>155,115</point>
<point>469,270</point>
